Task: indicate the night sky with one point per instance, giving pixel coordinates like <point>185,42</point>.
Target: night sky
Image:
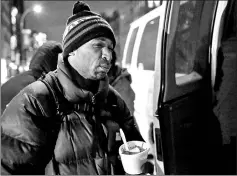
<point>54,15</point>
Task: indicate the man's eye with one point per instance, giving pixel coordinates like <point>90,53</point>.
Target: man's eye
<point>98,45</point>
<point>111,49</point>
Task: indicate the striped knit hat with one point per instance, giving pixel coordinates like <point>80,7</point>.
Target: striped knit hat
<point>83,26</point>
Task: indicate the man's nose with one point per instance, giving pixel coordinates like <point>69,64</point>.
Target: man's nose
<point>106,54</point>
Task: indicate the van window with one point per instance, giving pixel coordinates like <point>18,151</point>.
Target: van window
<point>130,47</point>
<point>192,37</point>
<point>147,50</point>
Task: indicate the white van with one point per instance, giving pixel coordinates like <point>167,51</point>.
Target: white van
<point>171,53</point>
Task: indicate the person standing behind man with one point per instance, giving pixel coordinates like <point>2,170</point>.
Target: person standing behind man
<point>54,126</point>
<point>121,81</point>
<point>44,60</point>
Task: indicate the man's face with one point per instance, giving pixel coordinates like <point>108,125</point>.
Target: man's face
<point>92,60</point>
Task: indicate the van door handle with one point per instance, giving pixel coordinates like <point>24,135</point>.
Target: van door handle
<point>156,114</point>
<point>158,144</point>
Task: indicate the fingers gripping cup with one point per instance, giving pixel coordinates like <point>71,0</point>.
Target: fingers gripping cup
<point>133,159</point>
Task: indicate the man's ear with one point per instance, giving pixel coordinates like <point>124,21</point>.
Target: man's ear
<point>72,53</point>
<point>60,56</point>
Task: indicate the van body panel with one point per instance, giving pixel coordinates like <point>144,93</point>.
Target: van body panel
<point>149,27</point>
<point>216,39</point>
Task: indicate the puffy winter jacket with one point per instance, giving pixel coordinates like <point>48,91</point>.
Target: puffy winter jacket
<point>36,141</point>
<point>44,60</point>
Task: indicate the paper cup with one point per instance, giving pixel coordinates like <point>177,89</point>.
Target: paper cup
<point>132,163</point>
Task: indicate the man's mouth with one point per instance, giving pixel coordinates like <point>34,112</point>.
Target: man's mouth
<point>106,68</point>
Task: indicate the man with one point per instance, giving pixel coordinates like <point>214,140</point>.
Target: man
<point>44,60</point>
<point>54,126</point>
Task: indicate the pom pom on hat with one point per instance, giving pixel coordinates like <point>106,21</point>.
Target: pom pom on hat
<point>83,26</point>
<point>80,6</point>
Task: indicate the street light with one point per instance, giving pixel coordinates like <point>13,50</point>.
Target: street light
<point>36,9</point>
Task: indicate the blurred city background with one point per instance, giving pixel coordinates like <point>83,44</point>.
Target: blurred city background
<point>26,25</point>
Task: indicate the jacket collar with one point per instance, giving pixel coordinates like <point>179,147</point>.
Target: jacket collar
<point>76,91</point>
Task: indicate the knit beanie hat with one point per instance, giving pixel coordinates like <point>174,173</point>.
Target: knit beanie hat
<point>83,26</point>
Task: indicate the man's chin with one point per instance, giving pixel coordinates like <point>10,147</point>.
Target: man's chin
<point>100,75</point>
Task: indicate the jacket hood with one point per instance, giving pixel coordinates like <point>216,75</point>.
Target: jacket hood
<point>117,73</point>
<point>46,57</point>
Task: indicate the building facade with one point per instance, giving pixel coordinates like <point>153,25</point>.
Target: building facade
<point>10,36</point>
<point>6,31</point>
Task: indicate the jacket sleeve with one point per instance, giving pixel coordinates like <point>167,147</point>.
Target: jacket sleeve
<point>126,121</point>
<point>26,138</point>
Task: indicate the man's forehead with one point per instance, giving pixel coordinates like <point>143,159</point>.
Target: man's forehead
<point>103,39</point>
